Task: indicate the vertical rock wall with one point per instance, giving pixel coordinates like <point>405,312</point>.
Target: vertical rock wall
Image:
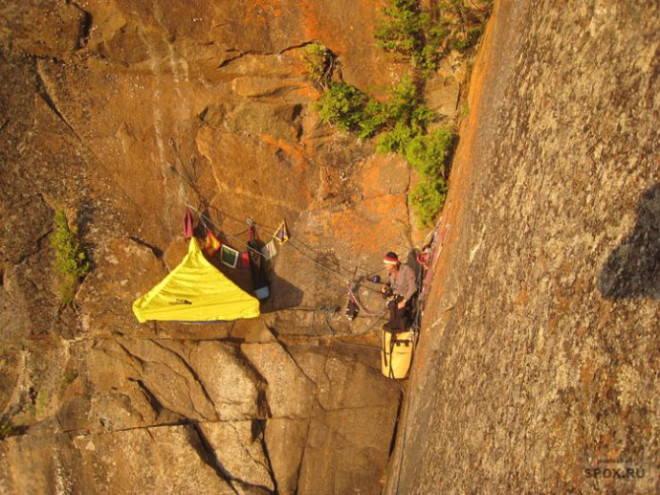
<point>538,363</point>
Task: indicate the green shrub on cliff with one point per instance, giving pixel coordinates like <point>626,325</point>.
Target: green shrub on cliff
<point>350,109</point>
<point>407,117</point>
<point>71,261</point>
<point>403,29</point>
<point>405,107</point>
<point>6,429</point>
<point>422,35</point>
<point>402,120</point>
<point>319,62</point>
<point>428,198</point>
<point>401,117</point>
<point>430,155</point>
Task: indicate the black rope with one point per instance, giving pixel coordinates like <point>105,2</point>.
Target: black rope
<point>204,219</point>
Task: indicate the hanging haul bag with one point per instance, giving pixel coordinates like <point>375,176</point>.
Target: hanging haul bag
<point>396,353</point>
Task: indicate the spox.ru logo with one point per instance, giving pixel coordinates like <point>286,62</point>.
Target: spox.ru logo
<point>615,469</point>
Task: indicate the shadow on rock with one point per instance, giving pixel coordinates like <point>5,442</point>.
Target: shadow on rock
<point>283,295</point>
<point>633,268</point>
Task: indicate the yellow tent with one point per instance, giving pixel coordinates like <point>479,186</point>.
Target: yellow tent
<point>195,291</point>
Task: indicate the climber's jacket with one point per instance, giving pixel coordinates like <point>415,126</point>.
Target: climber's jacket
<point>403,282</point>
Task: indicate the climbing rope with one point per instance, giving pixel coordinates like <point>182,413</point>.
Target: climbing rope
<point>423,281</point>
<point>354,298</point>
<point>327,312</point>
<point>189,178</point>
<point>206,221</point>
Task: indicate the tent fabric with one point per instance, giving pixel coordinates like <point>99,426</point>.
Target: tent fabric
<point>195,291</point>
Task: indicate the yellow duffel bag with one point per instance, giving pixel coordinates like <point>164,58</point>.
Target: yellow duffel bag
<point>396,353</point>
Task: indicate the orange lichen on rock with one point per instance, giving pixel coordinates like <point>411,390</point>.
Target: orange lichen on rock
<point>310,20</point>
<point>263,10</point>
<point>292,150</point>
<point>374,219</point>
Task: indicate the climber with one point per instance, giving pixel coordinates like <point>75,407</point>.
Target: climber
<point>399,290</point>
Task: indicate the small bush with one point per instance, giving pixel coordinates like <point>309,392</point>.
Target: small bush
<point>402,29</point>
<point>350,109</point>
<point>410,31</point>
<point>430,154</point>
<point>428,198</point>
<point>68,378</point>
<point>6,429</point>
<point>319,62</point>
<point>407,118</point>
<point>373,119</point>
<point>405,107</point>
<point>395,140</point>
<point>71,261</point>
<point>424,35</point>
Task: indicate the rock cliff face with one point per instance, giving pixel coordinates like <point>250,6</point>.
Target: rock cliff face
<point>121,113</point>
<point>537,368</point>
<point>538,365</point>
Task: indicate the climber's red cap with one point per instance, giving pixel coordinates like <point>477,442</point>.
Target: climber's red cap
<point>391,258</point>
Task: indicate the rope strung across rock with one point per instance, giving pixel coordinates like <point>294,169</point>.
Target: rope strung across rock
<point>354,298</point>
<point>206,220</point>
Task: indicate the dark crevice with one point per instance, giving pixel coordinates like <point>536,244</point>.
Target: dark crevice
<point>241,54</point>
<point>131,355</point>
<point>207,454</point>
<point>263,408</point>
<point>228,61</point>
<point>232,340</point>
<point>158,253</point>
<point>45,96</point>
<point>85,26</point>
<point>284,346</point>
<point>302,45</point>
<point>151,398</point>
<point>259,431</point>
<point>184,421</point>
<point>257,427</point>
<point>203,113</point>
<point>302,460</point>
<point>87,432</point>
<point>396,425</point>
<point>190,369</point>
